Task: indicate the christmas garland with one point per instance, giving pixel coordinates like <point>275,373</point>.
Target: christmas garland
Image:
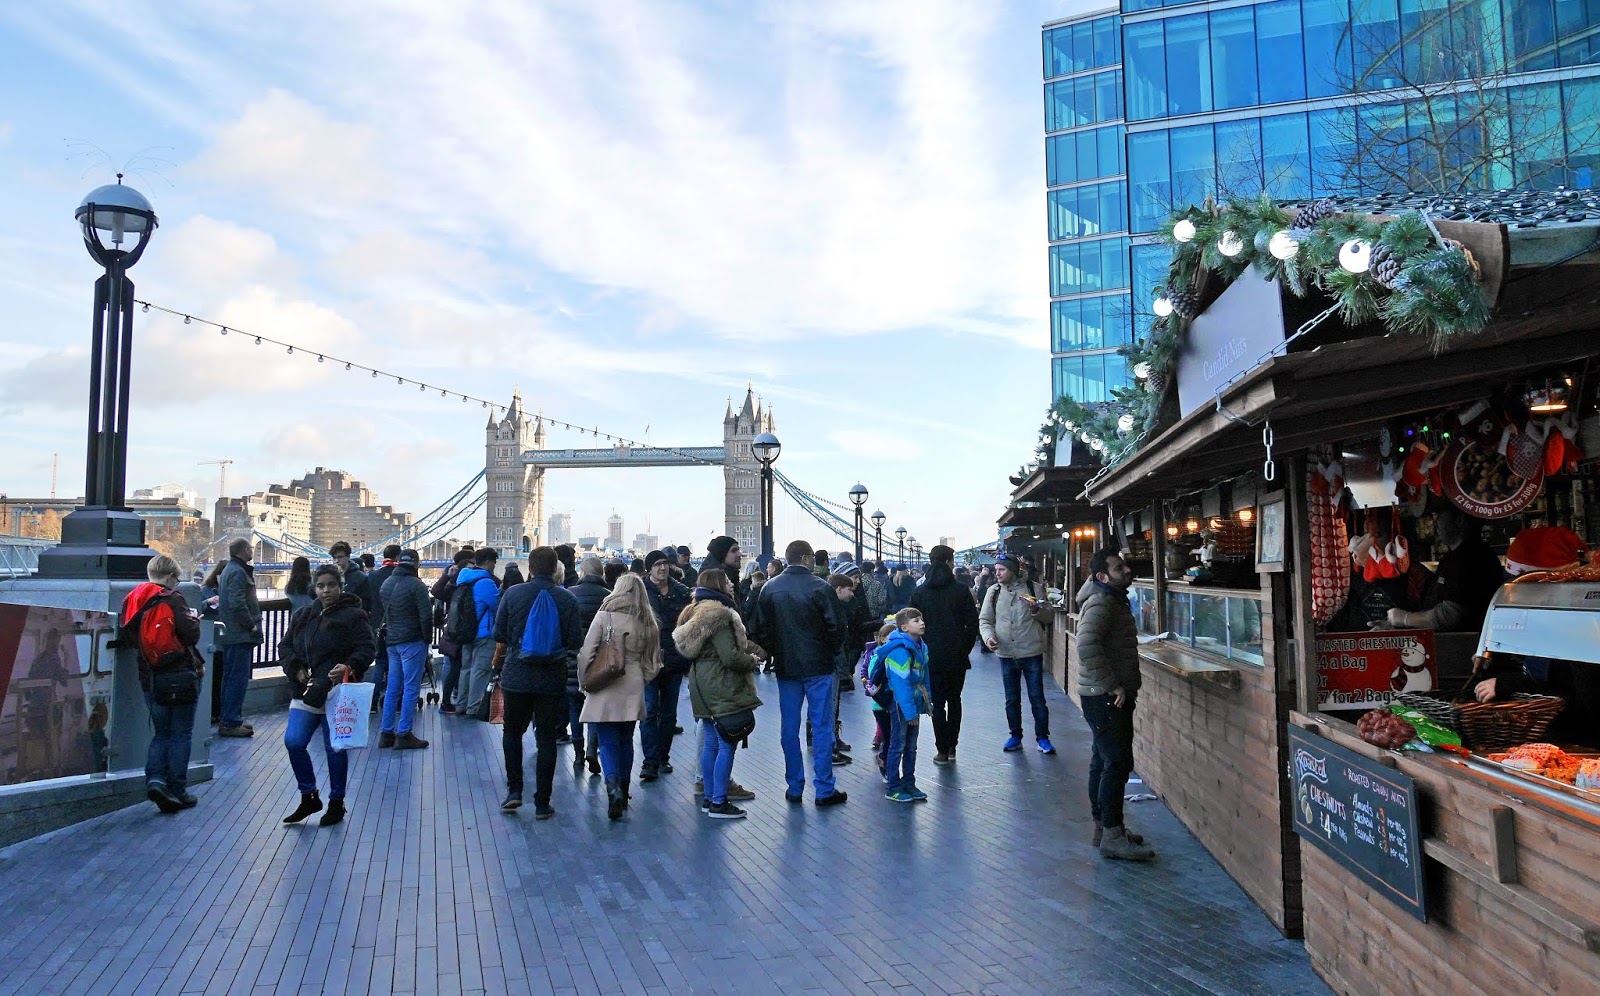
<point>1400,272</point>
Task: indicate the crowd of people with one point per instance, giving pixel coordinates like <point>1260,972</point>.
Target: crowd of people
<point>593,654</point>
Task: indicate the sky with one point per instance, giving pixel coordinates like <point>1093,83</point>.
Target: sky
<point>631,211</point>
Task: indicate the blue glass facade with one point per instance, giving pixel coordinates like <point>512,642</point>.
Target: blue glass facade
<point>1087,206</point>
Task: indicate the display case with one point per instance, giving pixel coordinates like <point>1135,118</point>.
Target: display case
<point>1220,622</point>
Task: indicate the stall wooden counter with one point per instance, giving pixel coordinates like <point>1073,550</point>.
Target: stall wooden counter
<point>1512,878</point>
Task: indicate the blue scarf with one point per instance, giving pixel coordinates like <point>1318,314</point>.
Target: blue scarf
<point>713,595</point>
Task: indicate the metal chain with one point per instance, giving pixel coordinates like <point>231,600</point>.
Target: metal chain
<point>1269,470</point>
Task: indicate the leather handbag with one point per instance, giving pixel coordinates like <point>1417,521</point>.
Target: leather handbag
<point>609,661</point>
<point>736,726</point>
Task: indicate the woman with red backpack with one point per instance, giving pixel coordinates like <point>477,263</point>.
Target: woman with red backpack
<point>157,622</point>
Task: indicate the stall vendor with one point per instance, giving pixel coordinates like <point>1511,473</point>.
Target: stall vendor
<point>1469,574</point>
<point>1504,676</point>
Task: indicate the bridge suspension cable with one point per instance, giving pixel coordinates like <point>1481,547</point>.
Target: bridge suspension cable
<point>425,525</point>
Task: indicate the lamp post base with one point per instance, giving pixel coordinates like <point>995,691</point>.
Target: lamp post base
<point>98,543</point>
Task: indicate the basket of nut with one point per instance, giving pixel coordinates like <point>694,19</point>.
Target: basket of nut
<point>1490,726</point>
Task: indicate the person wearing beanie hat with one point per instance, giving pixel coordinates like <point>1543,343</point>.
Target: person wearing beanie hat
<point>1545,548</point>
<point>653,558</point>
<point>723,554</point>
<point>668,598</point>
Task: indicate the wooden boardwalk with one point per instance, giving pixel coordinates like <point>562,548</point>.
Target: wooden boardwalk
<point>427,888</point>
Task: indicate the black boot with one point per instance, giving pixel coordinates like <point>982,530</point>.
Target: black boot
<point>335,813</point>
<point>616,801</point>
<point>310,803</point>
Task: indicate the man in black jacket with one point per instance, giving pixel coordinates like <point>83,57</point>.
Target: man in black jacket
<point>669,599</point>
<point>590,589</point>
<point>798,622</point>
<point>534,685</point>
<point>408,626</point>
<point>952,617</point>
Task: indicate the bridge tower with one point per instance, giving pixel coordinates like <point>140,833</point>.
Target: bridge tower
<point>515,510</point>
<point>742,471</point>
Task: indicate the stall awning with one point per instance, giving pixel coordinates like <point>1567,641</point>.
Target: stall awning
<point>1546,317</point>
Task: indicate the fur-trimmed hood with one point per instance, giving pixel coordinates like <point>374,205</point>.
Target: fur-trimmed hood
<point>700,622</point>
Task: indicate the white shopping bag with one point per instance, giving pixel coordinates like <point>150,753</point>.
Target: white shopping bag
<point>348,707</point>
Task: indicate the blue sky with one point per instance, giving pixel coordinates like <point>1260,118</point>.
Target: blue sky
<point>631,210</point>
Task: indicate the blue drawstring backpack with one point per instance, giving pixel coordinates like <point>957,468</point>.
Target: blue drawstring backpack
<point>541,637</point>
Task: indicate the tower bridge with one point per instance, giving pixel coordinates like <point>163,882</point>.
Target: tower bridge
<point>516,459</point>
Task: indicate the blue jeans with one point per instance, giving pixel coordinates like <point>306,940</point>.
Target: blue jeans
<point>405,681</point>
<point>660,718</point>
<point>1111,761</point>
<point>902,761</point>
<point>297,737</point>
<point>716,762</point>
<point>452,679</point>
<point>817,695</point>
<point>235,681</point>
<point>1013,670</point>
<point>167,760</point>
<point>614,741</point>
<point>574,724</point>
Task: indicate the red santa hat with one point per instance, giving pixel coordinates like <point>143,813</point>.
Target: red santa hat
<point>1544,548</point>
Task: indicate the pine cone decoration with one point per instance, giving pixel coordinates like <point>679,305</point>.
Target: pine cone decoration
<point>1385,265</point>
<point>1185,303</point>
<point>1314,212</point>
<point>1156,383</point>
<point>1472,261</point>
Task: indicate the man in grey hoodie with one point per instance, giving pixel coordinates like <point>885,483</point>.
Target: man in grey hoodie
<point>1108,686</point>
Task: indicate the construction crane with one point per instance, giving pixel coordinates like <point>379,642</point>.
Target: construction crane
<point>222,476</point>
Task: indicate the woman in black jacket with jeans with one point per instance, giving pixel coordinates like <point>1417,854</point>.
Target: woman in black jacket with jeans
<point>327,640</point>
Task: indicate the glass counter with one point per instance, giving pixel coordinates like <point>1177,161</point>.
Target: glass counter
<point>1222,622</point>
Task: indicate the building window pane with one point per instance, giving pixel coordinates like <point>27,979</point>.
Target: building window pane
<point>1113,216</point>
<point>1088,211</point>
<point>1188,65</point>
<point>1082,46</point>
<point>1149,180</point>
<point>1583,131</point>
<point>1278,51</point>
<point>1332,151</point>
<point>1194,168</point>
<point>1108,96</point>
<point>1114,263</point>
<point>1116,371</point>
<point>1115,318</point>
<point>1150,263</point>
<point>1105,42</point>
<point>1537,134</point>
<point>1531,34</point>
<point>1384,143</point>
<point>1576,24</point>
<point>1057,107</point>
<point>1233,58</point>
<point>1062,219</point>
<point>1286,158</point>
<point>1093,334</point>
<point>1060,152</point>
<point>1375,30</point>
<point>1109,144</point>
<point>1146,71</point>
<point>1066,326</point>
<point>1087,155</point>
<point>1239,158</point>
<point>1327,47</point>
<point>1057,52</point>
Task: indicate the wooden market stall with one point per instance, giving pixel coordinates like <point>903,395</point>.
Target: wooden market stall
<point>1403,870</point>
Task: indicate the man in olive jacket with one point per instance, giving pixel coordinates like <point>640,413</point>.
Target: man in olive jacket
<point>240,611</point>
<point>1108,686</point>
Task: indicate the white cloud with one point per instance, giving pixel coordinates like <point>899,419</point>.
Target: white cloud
<point>5,132</point>
<point>207,252</point>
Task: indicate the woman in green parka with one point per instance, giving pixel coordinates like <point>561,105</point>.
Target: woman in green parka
<point>722,684</point>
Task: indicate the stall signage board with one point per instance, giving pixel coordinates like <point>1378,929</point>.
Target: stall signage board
<point>1361,814</point>
<point>1244,324</point>
<point>1367,669</point>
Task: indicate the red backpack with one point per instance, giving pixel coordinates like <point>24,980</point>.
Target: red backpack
<point>151,623</point>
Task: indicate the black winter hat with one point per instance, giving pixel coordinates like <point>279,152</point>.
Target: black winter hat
<point>717,550</point>
<point>653,558</point>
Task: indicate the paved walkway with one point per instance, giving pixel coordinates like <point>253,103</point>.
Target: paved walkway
<point>989,887</point>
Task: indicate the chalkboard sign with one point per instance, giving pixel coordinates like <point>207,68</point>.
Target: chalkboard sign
<point>1361,814</point>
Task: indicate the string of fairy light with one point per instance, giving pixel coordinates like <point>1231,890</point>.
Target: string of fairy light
<point>423,387</point>
<point>402,380</point>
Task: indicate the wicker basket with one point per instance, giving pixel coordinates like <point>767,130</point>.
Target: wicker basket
<point>1501,725</point>
<point>1433,705</point>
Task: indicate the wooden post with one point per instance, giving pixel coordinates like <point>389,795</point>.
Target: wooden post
<point>1158,553</point>
<point>1299,569</point>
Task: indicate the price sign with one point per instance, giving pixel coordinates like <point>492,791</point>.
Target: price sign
<point>1367,669</point>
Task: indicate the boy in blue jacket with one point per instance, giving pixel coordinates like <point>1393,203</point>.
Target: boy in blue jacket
<point>906,660</point>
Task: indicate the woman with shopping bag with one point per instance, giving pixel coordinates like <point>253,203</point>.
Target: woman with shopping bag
<point>328,644</point>
<point>624,630</point>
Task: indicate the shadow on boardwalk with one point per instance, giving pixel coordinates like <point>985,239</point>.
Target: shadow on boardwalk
<point>989,887</point>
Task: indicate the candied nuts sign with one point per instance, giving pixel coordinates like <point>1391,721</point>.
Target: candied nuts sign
<point>1480,481</point>
<point>1367,669</point>
<point>1361,814</point>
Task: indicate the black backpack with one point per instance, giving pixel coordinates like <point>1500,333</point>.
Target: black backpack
<point>462,622</point>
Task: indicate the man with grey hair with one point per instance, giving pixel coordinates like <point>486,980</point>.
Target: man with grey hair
<point>240,611</point>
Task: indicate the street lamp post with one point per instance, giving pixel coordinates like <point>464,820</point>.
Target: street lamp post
<point>900,534</point>
<point>877,524</point>
<point>766,448</point>
<point>103,538</point>
<point>858,498</point>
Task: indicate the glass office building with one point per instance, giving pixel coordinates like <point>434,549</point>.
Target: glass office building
<point>1087,197</point>
<point>1307,98</point>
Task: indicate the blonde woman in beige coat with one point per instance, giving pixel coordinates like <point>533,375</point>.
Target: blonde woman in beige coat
<point>617,708</point>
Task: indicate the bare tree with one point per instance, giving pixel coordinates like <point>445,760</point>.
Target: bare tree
<point>1432,109</point>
